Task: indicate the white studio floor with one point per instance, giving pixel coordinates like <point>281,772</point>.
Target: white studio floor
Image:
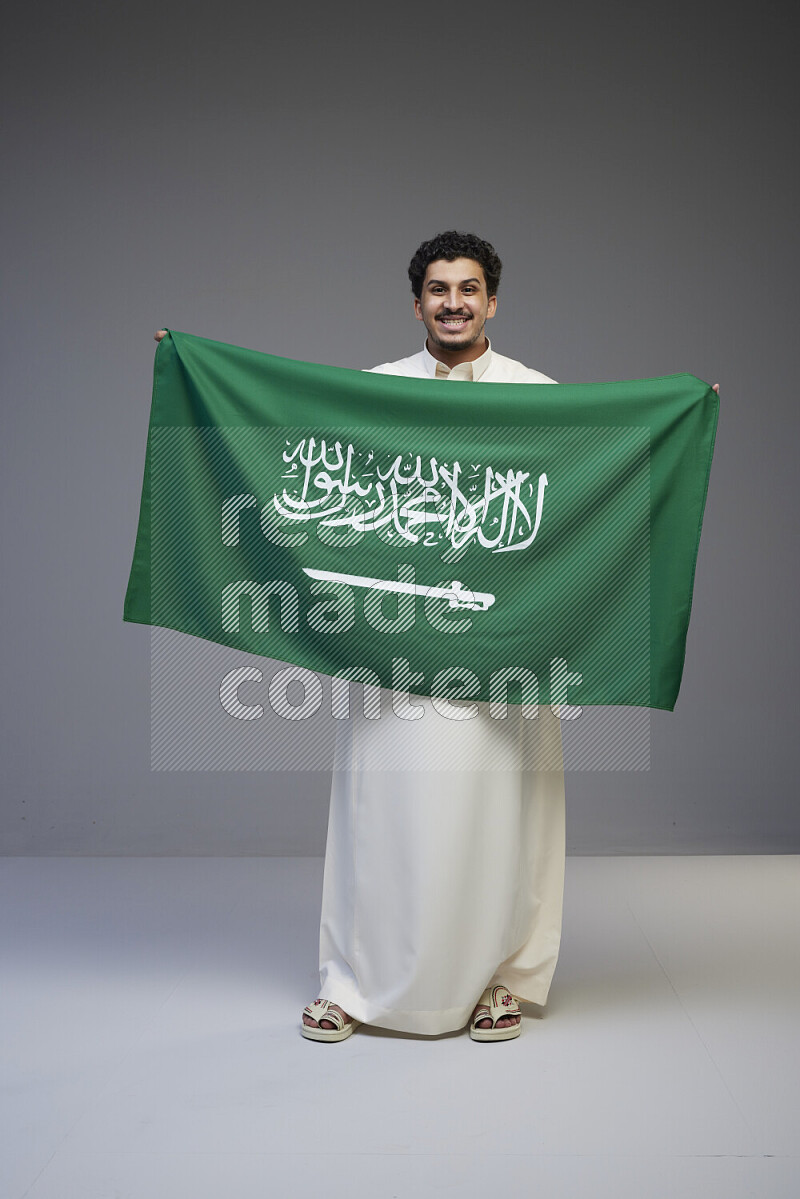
<point>150,1011</point>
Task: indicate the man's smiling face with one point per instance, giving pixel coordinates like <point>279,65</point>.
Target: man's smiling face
<point>454,307</point>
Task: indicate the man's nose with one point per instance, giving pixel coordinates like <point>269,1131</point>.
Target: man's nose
<point>453,300</point>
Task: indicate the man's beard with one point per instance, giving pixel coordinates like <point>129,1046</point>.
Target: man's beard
<point>469,338</point>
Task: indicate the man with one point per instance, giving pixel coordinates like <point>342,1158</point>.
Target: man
<point>459,877</point>
<point>440,888</point>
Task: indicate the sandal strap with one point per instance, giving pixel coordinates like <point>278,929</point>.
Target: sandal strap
<point>322,1009</point>
<point>496,1002</point>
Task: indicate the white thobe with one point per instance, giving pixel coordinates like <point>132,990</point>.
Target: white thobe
<point>439,881</point>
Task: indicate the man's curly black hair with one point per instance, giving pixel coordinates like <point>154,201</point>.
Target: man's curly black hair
<point>450,246</point>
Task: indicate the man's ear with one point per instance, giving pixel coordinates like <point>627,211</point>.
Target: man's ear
<point>492,309</point>
<point>417,309</point>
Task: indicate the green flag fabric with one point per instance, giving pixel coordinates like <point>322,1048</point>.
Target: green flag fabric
<point>533,543</point>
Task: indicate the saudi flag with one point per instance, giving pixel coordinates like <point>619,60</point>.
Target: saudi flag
<point>497,542</point>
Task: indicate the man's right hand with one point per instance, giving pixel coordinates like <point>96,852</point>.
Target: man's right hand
<point>159,334</point>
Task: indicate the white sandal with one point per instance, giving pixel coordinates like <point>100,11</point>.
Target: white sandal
<point>494,1004</point>
<point>323,1009</point>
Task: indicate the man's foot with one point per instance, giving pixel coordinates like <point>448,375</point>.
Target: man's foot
<point>503,1022</point>
<point>496,1016</point>
<point>327,1023</point>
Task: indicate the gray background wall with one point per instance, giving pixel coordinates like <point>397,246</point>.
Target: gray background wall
<point>262,179</point>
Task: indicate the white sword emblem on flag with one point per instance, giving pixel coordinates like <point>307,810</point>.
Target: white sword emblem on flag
<point>458,595</point>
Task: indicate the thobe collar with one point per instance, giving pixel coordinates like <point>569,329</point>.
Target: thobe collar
<point>469,372</point>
